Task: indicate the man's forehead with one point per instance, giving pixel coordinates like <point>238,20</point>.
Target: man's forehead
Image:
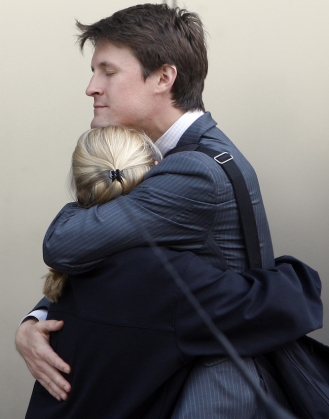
<point>107,53</point>
<point>104,47</point>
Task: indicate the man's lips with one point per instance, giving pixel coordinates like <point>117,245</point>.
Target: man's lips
<point>99,106</point>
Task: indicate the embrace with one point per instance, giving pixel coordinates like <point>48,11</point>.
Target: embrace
<point>116,338</point>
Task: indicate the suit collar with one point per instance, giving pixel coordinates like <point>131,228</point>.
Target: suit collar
<point>170,138</point>
<point>197,129</point>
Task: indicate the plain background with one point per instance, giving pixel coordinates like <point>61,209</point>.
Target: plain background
<point>268,88</point>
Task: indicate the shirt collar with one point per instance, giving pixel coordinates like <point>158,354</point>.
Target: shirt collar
<point>170,138</point>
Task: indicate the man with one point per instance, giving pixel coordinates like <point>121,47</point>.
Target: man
<point>149,67</point>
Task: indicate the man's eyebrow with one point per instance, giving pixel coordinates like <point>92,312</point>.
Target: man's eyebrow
<point>102,64</point>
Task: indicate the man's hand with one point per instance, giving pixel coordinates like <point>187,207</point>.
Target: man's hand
<point>32,342</point>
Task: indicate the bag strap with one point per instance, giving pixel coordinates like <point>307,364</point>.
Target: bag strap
<point>246,211</point>
<point>245,208</point>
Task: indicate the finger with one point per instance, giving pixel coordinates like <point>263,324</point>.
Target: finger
<point>56,380</point>
<point>51,359</point>
<point>53,389</point>
<point>52,380</point>
<point>62,389</point>
<point>41,370</point>
<point>45,352</point>
<point>47,326</point>
<point>59,364</point>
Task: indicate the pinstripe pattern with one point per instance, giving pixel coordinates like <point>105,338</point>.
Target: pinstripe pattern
<point>227,229</point>
<point>227,397</point>
<point>187,203</point>
<point>215,388</point>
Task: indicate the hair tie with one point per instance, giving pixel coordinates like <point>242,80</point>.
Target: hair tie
<point>115,174</point>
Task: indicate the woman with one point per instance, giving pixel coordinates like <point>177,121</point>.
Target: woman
<point>95,178</point>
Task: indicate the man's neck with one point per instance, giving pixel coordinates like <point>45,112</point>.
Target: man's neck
<point>162,122</point>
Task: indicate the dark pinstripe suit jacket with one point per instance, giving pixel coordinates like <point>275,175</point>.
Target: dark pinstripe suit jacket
<point>186,203</point>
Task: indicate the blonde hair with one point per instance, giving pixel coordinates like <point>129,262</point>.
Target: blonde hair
<point>107,162</point>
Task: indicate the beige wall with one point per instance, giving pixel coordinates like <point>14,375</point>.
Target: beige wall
<point>268,88</point>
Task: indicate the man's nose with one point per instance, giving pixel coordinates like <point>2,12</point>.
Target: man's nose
<point>93,89</point>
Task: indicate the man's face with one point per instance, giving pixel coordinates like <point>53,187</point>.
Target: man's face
<point>121,95</point>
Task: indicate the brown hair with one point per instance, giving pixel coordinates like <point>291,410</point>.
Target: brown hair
<point>157,34</point>
<point>122,153</point>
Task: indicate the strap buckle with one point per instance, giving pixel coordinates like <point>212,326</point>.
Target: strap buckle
<point>216,158</point>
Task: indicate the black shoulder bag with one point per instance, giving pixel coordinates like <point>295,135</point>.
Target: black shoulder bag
<point>302,367</point>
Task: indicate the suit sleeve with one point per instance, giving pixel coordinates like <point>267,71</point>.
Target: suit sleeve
<point>43,304</point>
<point>258,311</point>
<point>175,205</point>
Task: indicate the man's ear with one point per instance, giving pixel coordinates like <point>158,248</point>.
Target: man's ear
<point>166,77</point>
